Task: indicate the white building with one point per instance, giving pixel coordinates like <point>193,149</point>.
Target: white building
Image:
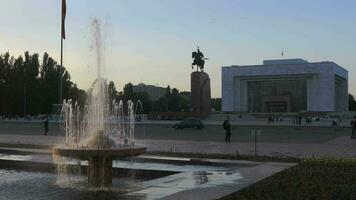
<point>289,85</point>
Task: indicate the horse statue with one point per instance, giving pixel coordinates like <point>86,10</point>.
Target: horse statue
<point>199,60</point>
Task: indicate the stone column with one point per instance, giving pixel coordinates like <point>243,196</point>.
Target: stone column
<point>227,92</point>
<point>100,172</point>
<point>312,93</point>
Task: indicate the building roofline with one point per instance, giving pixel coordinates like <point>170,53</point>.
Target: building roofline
<point>340,67</point>
<point>290,64</point>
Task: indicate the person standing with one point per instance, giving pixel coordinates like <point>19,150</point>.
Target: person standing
<point>45,126</point>
<point>227,128</point>
<point>353,128</point>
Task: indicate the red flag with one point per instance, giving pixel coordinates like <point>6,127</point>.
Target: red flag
<point>64,12</point>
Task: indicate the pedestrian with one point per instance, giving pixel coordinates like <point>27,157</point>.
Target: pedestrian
<point>353,127</point>
<point>227,128</point>
<point>45,126</point>
<point>334,123</point>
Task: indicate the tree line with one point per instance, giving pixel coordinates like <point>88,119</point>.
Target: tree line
<point>172,101</point>
<point>352,102</point>
<point>31,87</point>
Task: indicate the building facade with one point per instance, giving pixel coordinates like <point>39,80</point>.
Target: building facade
<point>289,85</point>
<point>155,92</point>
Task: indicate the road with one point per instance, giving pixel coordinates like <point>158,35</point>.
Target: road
<point>214,133</point>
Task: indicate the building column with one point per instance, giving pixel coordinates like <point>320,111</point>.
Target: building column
<point>227,93</point>
<point>237,94</point>
<point>244,104</point>
<point>312,93</point>
<point>344,96</point>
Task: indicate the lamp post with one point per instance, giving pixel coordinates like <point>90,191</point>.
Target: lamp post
<point>255,133</point>
<point>24,100</point>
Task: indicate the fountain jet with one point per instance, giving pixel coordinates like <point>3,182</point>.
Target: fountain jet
<point>103,131</point>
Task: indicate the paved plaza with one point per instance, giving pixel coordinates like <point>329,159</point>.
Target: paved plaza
<point>300,142</point>
<point>285,132</point>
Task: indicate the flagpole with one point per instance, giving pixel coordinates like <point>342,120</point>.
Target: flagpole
<point>63,12</point>
<point>61,75</point>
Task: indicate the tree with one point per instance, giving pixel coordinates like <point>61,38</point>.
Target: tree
<point>128,91</point>
<point>129,94</point>
<point>352,103</point>
<point>216,104</point>
<point>168,92</point>
<point>145,100</point>
<point>78,95</point>
<point>50,75</point>
<point>185,101</point>
<point>161,105</point>
<point>112,91</point>
<point>31,87</point>
<point>170,102</point>
<point>174,100</point>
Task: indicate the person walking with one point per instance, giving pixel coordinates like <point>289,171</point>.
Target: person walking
<point>45,126</point>
<point>334,123</point>
<point>227,128</point>
<point>353,128</point>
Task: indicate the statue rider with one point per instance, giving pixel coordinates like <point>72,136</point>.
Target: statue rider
<point>198,59</point>
<point>199,56</point>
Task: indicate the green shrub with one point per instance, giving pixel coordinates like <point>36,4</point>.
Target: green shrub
<point>311,179</point>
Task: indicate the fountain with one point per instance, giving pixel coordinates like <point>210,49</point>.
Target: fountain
<point>102,131</point>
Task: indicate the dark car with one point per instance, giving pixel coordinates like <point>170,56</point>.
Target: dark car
<point>189,123</point>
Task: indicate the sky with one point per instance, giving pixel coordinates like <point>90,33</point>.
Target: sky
<point>151,41</point>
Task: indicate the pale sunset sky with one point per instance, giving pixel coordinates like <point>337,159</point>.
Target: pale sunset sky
<point>151,41</point>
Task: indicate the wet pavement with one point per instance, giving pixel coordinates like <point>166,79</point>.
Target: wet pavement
<point>212,180</point>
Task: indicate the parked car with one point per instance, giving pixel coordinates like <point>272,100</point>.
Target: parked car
<point>189,123</point>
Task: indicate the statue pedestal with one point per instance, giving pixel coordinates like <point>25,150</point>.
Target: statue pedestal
<point>200,93</point>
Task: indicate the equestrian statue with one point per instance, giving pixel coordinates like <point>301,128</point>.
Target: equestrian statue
<point>199,60</point>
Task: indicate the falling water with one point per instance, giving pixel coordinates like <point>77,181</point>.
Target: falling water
<point>101,117</point>
<point>116,121</point>
<point>97,45</point>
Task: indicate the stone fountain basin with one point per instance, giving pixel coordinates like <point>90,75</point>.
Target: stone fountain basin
<point>99,161</point>
<point>86,153</point>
